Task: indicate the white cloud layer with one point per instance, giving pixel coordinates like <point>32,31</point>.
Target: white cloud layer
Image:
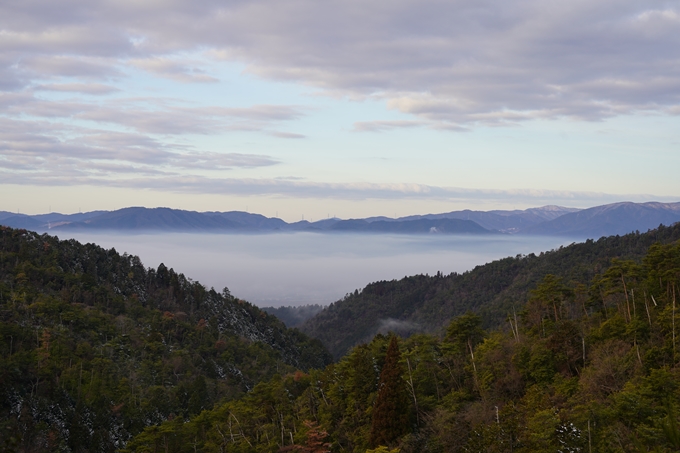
<point>145,173</point>
<point>380,126</point>
<point>83,88</point>
<point>449,62</point>
<point>172,69</point>
<point>40,152</point>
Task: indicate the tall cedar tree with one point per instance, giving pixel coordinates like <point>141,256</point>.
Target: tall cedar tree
<point>390,413</point>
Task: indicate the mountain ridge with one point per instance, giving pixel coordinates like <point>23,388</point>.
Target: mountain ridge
<point>595,222</point>
<point>615,218</point>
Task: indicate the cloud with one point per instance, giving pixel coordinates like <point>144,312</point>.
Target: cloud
<point>454,63</point>
<point>286,135</point>
<point>175,120</point>
<point>175,70</point>
<point>213,160</point>
<point>83,88</point>
<point>55,154</point>
<point>41,67</point>
<point>464,63</point>
<point>92,38</point>
<point>176,172</point>
<point>151,115</point>
<point>380,126</point>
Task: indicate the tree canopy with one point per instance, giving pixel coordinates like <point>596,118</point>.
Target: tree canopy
<point>94,347</point>
<point>577,369</point>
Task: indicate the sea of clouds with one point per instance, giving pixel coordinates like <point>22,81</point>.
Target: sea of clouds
<point>308,268</point>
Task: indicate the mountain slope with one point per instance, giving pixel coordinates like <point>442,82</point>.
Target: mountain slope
<point>45,221</point>
<point>94,346</point>
<point>506,221</point>
<point>617,218</point>
<point>163,219</point>
<point>21,221</point>
<point>6,214</point>
<point>254,221</point>
<point>448,226</point>
<point>424,303</point>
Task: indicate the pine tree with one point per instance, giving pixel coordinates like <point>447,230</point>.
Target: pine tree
<point>390,413</point>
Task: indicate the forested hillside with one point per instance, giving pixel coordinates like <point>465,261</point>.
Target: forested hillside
<point>590,368</point>
<point>94,347</point>
<point>424,303</point>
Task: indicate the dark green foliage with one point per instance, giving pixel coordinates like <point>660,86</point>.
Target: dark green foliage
<point>94,347</point>
<point>464,333</point>
<point>390,413</point>
<point>426,303</point>
<point>595,369</point>
<point>355,319</point>
<point>95,351</point>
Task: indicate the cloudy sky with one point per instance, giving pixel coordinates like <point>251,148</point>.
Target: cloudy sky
<point>348,108</point>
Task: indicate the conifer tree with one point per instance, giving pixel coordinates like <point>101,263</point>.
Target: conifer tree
<point>390,413</point>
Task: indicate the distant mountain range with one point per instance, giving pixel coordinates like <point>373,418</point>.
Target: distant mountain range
<point>503,221</point>
<point>617,218</point>
<point>611,219</point>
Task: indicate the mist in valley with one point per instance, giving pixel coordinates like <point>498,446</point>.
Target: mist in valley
<point>309,268</point>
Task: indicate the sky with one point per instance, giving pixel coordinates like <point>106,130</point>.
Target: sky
<point>301,108</point>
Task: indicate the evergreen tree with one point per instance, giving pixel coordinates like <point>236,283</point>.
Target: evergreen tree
<point>390,413</point>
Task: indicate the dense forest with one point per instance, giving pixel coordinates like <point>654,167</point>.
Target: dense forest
<point>575,350</point>
<point>94,347</point>
<point>577,368</point>
<point>425,304</point>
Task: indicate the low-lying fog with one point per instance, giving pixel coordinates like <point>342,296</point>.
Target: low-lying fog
<point>305,268</point>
